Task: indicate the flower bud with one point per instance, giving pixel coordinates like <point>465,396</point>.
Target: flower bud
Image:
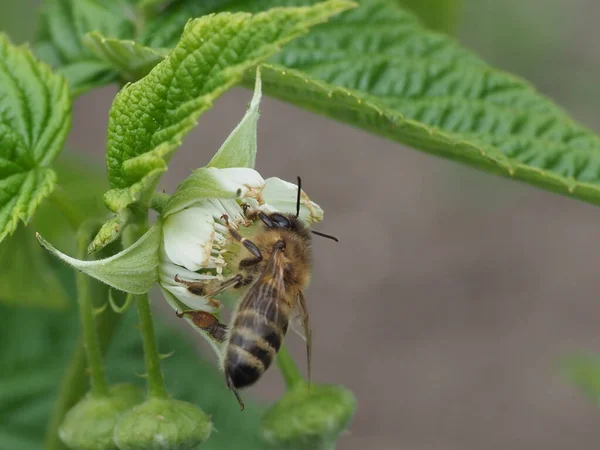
<point>163,424</point>
<point>90,423</point>
<point>309,416</point>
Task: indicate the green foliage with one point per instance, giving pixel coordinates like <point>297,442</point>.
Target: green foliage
<point>89,425</point>
<point>149,118</point>
<point>23,260</point>
<point>150,3</point>
<point>129,58</point>
<point>38,343</point>
<point>62,27</point>
<point>377,68</point>
<point>35,116</point>
<point>439,15</point>
<point>29,277</point>
<point>239,149</point>
<point>308,417</point>
<point>133,270</point>
<point>584,372</point>
<point>163,423</point>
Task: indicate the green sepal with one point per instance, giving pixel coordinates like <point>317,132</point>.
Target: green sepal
<point>110,231</point>
<point>164,424</point>
<point>90,424</point>
<point>308,416</point>
<point>133,270</point>
<point>239,149</point>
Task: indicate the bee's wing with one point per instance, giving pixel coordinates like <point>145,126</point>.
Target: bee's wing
<point>300,323</point>
<point>265,294</point>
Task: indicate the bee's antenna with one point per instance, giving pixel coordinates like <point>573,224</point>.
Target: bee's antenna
<point>328,236</point>
<point>298,198</point>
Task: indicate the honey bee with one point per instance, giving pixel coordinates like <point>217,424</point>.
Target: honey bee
<point>275,268</point>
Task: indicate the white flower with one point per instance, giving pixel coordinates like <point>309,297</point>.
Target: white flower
<point>196,245</point>
<point>190,247</point>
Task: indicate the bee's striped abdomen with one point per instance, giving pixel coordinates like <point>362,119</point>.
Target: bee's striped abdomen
<point>253,344</point>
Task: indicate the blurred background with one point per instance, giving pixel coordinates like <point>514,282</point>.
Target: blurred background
<point>452,295</point>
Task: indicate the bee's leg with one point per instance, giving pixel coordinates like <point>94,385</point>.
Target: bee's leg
<point>195,287</point>
<point>206,322</point>
<point>251,246</point>
<point>235,392</point>
<point>248,262</point>
<point>199,288</point>
<point>305,321</point>
<point>249,212</point>
<point>234,282</point>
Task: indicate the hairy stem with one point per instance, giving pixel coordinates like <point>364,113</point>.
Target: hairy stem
<point>91,342</point>
<point>288,368</point>
<point>74,383</point>
<point>156,382</point>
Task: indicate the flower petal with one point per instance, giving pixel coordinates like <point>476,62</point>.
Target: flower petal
<point>191,301</point>
<point>212,183</point>
<point>168,270</point>
<point>280,196</point>
<point>188,237</point>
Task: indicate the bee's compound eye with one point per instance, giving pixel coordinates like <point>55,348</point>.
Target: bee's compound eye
<point>280,220</point>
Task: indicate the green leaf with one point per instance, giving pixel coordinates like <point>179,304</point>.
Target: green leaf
<point>377,68</point>
<point>132,270</point>
<point>63,25</point>
<point>438,15</point>
<point>32,365</point>
<point>239,149</point>
<point>35,116</point>
<point>584,372</point>
<point>131,59</point>
<point>213,54</point>
<point>22,259</point>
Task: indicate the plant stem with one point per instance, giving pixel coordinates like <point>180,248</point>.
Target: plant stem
<point>74,382</point>
<point>156,382</point>
<point>64,204</point>
<point>91,343</point>
<point>288,368</point>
